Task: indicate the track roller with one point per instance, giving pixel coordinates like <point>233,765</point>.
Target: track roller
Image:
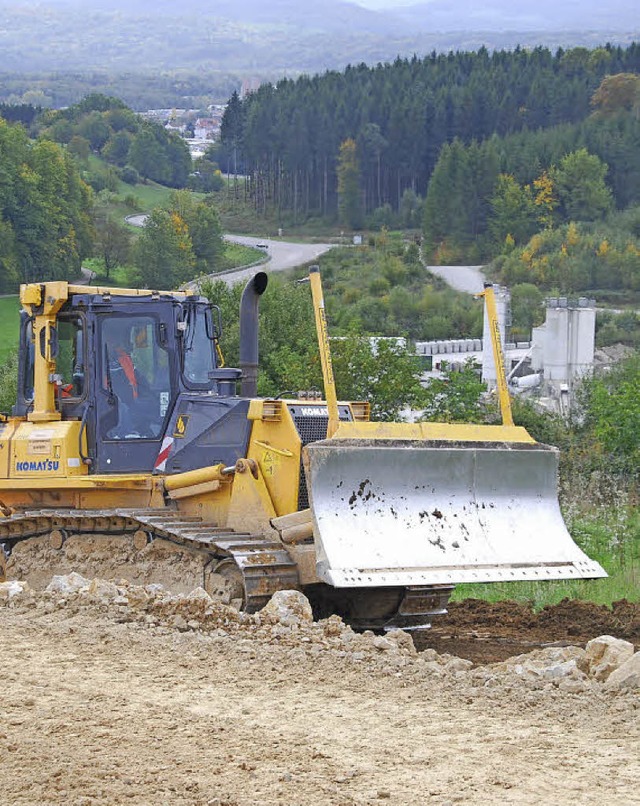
<point>141,539</point>
<point>224,581</point>
<point>57,538</point>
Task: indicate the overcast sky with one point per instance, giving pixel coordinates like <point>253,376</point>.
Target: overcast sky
<point>378,4</point>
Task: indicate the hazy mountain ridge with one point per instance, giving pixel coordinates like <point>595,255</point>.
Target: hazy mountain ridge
<point>251,37</point>
<point>434,15</point>
<point>507,15</point>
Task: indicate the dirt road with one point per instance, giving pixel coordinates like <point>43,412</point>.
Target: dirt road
<point>101,707</point>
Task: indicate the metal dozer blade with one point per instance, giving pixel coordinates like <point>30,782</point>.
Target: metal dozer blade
<point>399,504</point>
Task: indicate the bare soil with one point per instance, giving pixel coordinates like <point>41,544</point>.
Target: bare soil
<point>102,706</point>
<point>488,632</point>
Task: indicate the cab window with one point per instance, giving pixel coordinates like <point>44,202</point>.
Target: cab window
<point>198,348</point>
<point>135,376</point>
<point>70,361</point>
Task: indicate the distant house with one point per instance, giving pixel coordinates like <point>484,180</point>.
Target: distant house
<point>206,129</point>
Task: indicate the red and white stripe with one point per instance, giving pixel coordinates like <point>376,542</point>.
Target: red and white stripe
<point>165,450</point>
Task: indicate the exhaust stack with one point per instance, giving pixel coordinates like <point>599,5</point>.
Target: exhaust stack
<point>253,290</point>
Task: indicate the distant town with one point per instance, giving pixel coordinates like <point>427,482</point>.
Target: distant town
<point>198,130</point>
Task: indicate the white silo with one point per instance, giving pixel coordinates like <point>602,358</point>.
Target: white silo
<point>569,339</point>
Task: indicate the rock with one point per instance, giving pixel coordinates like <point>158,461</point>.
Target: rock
<point>70,583</point>
<point>289,607</point>
<point>574,685</point>
<point>557,671</point>
<point>603,655</point>
<point>432,667</point>
<point>347,636</point>
<point>180,623</point>
<point>104,590</point>
<point>199,595</point>
<point>11,589</point>
<point>458,665</point>
<point>546,667</point>
<point>383,644</point>
<point>403,641</point>
<point>626,676</point>
<point>333,626</point>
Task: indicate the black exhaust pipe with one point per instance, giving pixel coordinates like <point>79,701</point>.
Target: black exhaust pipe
<point>253,290</point>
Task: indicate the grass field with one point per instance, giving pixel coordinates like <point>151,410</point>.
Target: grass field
<point>610,535</point>
<point>9,325</point>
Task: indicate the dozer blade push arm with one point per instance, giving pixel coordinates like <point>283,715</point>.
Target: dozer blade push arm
<point>498,355</point>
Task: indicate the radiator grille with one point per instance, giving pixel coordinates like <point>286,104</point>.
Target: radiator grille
<point>311,427</point>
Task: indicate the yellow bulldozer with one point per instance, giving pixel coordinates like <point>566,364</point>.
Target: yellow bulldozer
<point>131,452</point>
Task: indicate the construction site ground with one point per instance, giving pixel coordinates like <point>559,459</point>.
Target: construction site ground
<point>121,696</point>
<point>487,632</point>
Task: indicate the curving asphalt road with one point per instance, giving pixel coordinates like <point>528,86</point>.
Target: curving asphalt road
<point>282,255</point>
<point>279,255</point>
<point>469,279</point>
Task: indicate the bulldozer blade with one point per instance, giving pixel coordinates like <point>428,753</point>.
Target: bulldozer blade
<point>428,512</point>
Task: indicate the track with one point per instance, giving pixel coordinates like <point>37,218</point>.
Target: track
<point>181,553</point>
<point>147,546</point>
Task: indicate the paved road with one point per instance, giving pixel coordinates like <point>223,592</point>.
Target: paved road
<point>469,279</point>
<point>279,256</point>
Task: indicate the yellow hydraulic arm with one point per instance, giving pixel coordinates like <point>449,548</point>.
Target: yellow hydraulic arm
<point>498,357</point>
<point>325,352</point>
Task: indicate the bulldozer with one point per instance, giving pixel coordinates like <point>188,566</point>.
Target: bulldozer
<point>133,453</point>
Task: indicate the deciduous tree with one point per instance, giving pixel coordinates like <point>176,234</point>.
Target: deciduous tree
<point>163,253</point>
<point>582,190</point>
<point>350,213</point>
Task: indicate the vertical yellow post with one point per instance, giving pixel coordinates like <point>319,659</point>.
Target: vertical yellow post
<point>498,357</point>
<point>325,352</point>
<point>43,302</point>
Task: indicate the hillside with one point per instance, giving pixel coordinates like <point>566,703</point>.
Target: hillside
<point>248,36</point>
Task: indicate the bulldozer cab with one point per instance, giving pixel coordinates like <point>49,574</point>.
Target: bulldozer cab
<point>120,361</point>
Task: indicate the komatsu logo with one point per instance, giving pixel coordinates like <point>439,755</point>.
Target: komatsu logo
<point>44,466</point>
<point>314,411</point>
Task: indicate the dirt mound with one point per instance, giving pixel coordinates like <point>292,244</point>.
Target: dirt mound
<point>575,618</point>
<point>487,632</point>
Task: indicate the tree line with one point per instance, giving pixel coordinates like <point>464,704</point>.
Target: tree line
<point>288,136</point>
<point>485,197</point>
<point>140,149</point>
<point>45,210</point>
<point>56,207</point>
<point>140,91</point>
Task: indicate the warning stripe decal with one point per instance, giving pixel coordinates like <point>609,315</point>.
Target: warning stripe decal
<point>165,450</point>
